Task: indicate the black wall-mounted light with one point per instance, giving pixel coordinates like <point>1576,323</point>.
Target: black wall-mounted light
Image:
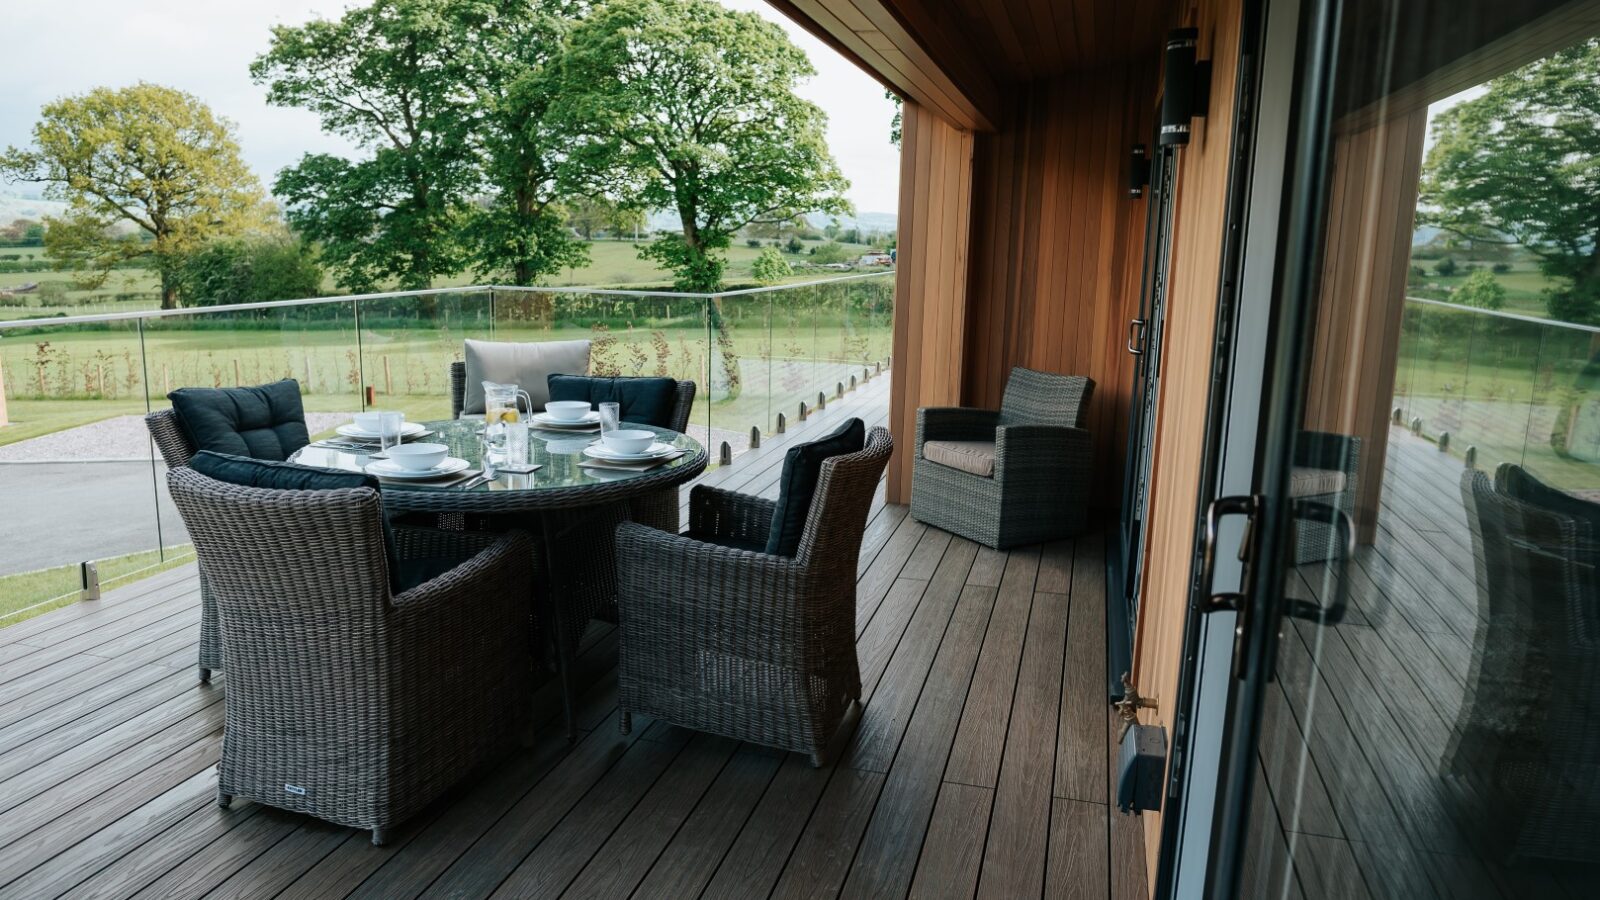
<point>1186,89</point>
<point>1138,171</point>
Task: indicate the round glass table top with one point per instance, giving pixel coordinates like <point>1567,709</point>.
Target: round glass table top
<point>557,454</point>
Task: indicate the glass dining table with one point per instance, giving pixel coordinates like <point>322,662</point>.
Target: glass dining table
<point>571,509</point>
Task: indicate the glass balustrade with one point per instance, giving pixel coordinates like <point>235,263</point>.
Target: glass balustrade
<point>84,484</point>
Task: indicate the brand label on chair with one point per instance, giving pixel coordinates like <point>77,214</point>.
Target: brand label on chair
<point>295,789</point>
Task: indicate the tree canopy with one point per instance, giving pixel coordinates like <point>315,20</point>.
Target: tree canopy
<point>1521,164</point>
<point>389,77</point>
<point>689,106</point>
<point>147,159</point>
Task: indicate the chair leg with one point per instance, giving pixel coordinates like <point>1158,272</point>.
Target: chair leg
<point>817,760</point>
<point>380,836</point>
<point>224,800</point>
<point>205,675</point>
<point>625,723</point>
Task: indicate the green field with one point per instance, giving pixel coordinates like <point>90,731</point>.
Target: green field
<point>611,264</point>
<point>1524,283</point>
<point>773,351</point>
<point>28,594</point>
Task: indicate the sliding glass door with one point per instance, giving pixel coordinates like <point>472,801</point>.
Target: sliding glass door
<point>1400,599</point>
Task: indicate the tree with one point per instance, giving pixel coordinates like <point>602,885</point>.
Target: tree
<point>508,49</point>
<point>770,267</point>
<point>145,157</point>
<point>831,252</point>
<point>249,270</point>
<point>1480,289</point>
<point>389,77</point>
<point>1446,267</point>
<point>1518,164</point>
<point>689,106</point>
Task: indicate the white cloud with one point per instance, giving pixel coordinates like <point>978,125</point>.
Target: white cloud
<point>61,47</point>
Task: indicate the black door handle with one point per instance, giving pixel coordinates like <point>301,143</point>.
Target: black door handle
<point>1237,601</point>
<point>1136,325</point>
<point>1345,533</point>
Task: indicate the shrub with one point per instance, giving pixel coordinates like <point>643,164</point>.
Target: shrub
<point>753,243</point>
<point>1446,267</point>
<point>249,271</point>
<point>1482,291</point>
<point>1500,268</point>
<point>794,246</point>
<point>770,267</point>
<point>831,252</point>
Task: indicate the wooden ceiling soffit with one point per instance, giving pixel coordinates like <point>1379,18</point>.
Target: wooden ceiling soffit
<point>873,36</point>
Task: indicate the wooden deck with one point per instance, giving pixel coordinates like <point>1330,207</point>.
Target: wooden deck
<point>1360,717</point>
<point>978,765</point>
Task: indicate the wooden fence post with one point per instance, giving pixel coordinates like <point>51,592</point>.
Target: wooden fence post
<point>388,380</point>
<point>4,421</point>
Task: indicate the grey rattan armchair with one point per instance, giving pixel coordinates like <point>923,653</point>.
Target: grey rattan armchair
<point>1325,468</point>
<point>176,451</point>
<point>733,641</point>
<point>345,701</point>
<point>1017,476</point>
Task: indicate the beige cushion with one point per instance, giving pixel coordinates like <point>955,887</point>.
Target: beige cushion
<point>1315,482</point>
<point>976,457</point>
<point>527,366</point>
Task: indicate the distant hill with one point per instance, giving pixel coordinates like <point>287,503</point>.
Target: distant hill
<point>14,206</point>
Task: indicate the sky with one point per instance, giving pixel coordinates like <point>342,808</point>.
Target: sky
<point>63,47</point>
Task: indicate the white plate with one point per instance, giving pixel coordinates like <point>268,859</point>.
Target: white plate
<point>589,419</point>
<point>388,468</point>
<point>656,451</point>
<point>351,430</point>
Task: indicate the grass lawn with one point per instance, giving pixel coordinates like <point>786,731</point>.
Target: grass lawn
<point>611,264</point>
<point>28,594</point>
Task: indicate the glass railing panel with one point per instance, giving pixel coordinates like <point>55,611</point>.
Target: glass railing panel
<point>1439,377</point>
<point>1563,432</point>
<point>794,350</point>
<point>1412,341</point>
<point>748,321</point>
<point>75,463</point>
<point>1492,411</point>
<point>409,341</point>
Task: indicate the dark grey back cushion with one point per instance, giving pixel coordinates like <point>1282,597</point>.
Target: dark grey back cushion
<point>802,469</point>
<point>262,422</point>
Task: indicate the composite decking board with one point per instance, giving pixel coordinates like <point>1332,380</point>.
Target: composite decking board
<point>980,739</point>
<point>1327,868</point>
<point>742,822</point>
<point>952,851</point>
<point>24,773</point>
<point>1079,855</point>
<point>22,658</point>
<point>1266,869</point>
<point>44,630</point>
<point>95,709</point>
<point>1019,825</point>
<point>1079,773</point>
<point>887,857</point>
<point>686,865</point>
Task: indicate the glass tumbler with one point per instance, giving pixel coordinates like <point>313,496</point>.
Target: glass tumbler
<point>610,417</point>
<point>390,425</point>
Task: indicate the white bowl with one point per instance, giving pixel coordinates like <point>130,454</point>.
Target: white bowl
<point>628,440</point>
<point>567,410</point>
<point>418,457</point>
<point>372,420</point>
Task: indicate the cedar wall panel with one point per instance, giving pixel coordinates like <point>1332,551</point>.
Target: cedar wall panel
<point>1372,207</point>
<point>931,287</point>
<point>1199,217</point>
<point>1057,245</point>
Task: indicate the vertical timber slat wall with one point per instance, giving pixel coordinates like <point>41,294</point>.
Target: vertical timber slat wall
<point>931,288</point>
<point>1199,219</point>
<point>1057,244</point>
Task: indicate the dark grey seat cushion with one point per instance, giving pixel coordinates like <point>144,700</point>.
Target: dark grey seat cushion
<point>262,422</point>
<point>645,401</point>
<point>802,469</point>
<point>287,476</point>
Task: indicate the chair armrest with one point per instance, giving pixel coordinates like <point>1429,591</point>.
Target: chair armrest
<point>1061,452</point>
<point>504,570</point>
<point>1327,450</point>
<point>732,600</point>
<point>729,515</point>
<point>955,423</point>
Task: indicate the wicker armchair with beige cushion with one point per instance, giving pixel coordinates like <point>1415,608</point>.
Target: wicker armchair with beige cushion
<point>720,635</point>
<point>348,700</point>
<point>1019,475</point>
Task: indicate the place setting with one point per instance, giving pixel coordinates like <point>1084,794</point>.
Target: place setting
<point>567,417</point>
<point>367,433</point>
<point>632,449</point>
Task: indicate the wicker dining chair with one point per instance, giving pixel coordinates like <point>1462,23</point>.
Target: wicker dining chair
<point>719,636</point>
<point>1019,475</point>
<point>176,451</point>
<point>346,701</point>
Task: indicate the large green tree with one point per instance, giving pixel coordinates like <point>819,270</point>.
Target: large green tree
<point>689,106</point>
<point>1520,164</point>
<point>147,159</point>
<point>509,49</point>
<point>389,76</point>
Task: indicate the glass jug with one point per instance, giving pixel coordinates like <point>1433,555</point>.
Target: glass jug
<point>504,431</point>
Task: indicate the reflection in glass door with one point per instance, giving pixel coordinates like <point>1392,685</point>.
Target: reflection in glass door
<point>1414,703</point>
